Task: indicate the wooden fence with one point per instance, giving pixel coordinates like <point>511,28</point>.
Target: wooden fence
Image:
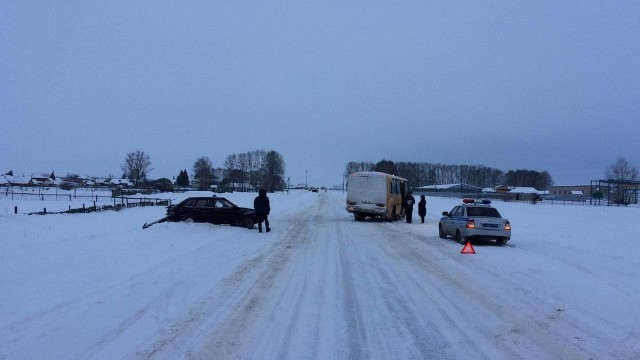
<point>126,203</point>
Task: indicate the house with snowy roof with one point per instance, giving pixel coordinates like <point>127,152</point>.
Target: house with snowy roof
<point>121,183</point>
<point>4,181</point>
<point>44,179</point>
<point>18,180</point>
<point>39,179</point>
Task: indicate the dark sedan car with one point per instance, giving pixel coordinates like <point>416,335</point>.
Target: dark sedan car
<point>214,210</point>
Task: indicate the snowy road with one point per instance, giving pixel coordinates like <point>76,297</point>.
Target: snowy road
<point>320,286</point>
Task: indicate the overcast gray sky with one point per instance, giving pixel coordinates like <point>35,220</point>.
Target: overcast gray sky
<point>540,85</point>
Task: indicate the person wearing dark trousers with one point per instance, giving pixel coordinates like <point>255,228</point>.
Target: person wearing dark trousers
<point>422,208</point>
<point>262,208</point>
<point>408,202</point>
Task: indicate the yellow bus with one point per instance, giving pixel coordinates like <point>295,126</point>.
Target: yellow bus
<point>376,195</point>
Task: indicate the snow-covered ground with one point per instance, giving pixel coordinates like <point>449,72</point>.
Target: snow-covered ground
<point>319,286</point>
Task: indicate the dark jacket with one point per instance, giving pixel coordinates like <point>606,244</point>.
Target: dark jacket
<point>261,203</point>
<point>422,207</point>
<point>408,201</point>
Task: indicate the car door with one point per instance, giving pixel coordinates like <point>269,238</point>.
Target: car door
<point>207,211</point>
<point>186,210</point>
<point>218,216</point>
<point>448,224</point>
<point>461,219</point>
<point>200,209</point>
<point>225,211</point>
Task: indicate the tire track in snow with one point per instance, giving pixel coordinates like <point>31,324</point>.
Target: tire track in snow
<point>387,323</point>
<point>85,303</point>
<point>233,338</point>
<point>528,322</point>
<point>219,324</point>
<point>384,292</point>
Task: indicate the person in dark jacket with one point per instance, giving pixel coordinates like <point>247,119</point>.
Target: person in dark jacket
<point>262,208</point>
<point>408,202</point>
<point>422,208</point>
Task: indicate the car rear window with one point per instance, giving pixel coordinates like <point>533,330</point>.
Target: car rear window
<point>482,211</point>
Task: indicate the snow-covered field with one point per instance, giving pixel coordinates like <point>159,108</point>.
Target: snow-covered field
<point>319,286</point>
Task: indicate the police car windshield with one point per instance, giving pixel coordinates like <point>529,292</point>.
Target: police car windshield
<point>482,211</point>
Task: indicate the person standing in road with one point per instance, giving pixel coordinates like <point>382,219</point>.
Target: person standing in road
<point>422,208</point>
<point>408,202</point>
<point>262,208</point>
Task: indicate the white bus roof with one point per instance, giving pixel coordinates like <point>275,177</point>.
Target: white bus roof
<point>375,174</point>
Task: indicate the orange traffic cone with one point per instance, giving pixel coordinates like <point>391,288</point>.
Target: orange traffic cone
<point>468,248</point>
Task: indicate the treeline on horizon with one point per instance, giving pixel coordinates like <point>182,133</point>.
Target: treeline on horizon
<point>257,168</point>
<point>423,173</point>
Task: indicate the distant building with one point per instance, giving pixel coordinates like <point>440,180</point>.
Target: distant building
<point>570,192</point>
<point>17,180</point>
<point>44,179</point>
<point>521,193</point>
<point>121,183</point>
<point>450,188</point>
<point>4,181</point>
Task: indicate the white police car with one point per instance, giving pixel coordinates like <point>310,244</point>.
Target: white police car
<point>474,219</point>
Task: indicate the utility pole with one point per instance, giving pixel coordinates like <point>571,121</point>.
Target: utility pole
<point>306,184</point>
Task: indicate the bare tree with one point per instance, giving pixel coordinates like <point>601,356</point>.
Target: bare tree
<point>386,166</point>
<point>274,167</point>
<point>256,160</point>
<point>353,167</point>
<point>137,166</point>
<point>621,170</point>
<point>250,169</point>
<point>244,163</point>
<point>531,178</point>
<point>203,172</point>
<point>231,163</point>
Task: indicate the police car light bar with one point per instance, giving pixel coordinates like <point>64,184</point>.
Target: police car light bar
<point>472,201</point>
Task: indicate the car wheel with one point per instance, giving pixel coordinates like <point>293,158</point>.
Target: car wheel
<point>502,241</point>
<point>359,216</point>
<point>441,233</point>
<point>248,223</point>
<point>459,237</point>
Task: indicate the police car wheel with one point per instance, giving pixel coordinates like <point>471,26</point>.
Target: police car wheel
<point>441,233</point>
